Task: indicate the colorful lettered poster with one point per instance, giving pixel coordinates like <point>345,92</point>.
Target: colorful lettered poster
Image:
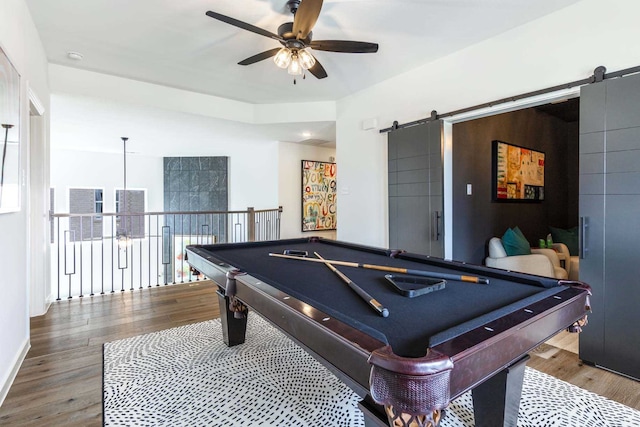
<point>319,196</point>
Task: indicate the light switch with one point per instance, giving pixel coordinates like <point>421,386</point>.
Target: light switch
<point>469,190</point>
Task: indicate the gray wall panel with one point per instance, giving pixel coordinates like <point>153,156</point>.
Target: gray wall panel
<point>592,184</point>
<point>406,147</point>
<point>592,271</point>
<point>393,221</point>
<point>392,165</point>
<point>411,163</point>
<point>592,143</point>
<point>435,138</point>
<point>623,139</point>
<point>623,101</point>
<point>393,178</point>
<point>591,163</point>
<point>435,174</point>
<point>413,212</point>
<point>392,152</point>
<point>413,176</point>
<point>592,113</point>
<point>413,189</point>
<point>622,161</point>
<point>622,291</point>
<point>623,183</point>
<point>611,265</point>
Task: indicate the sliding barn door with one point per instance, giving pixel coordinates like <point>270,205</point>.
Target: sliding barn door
<point>415,189</point>
<point>610,222</point>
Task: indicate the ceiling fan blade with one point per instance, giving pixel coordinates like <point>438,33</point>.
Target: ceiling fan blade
<point>344,46</point>
<point>318,70</point>
<point>306,17</point>
<point>244,25</point>
<point>259,57</point>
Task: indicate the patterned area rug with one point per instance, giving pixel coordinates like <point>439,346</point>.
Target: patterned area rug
<point>186,376</point>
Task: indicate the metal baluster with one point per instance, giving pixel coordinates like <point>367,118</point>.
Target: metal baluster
<point>113,263</point>
<point>91,230</point>
<point>74,258</point>
<point>81,246</point>
<point>166,250</point>
<point>149,243</point>
<point>130,244</point>
<point>102,256</point>
<point>58,233</point>
<point>158,249</point>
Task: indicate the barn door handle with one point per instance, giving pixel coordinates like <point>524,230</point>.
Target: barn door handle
<point>582,236</point>
<point>435,229</point>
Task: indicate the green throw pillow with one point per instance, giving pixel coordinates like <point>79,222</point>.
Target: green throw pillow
<point>520,234</point>
<point>515,243</point>
<point>568,237</point>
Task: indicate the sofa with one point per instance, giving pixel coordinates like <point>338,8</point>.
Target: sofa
<point>541,262</point>
<point>571,263</point>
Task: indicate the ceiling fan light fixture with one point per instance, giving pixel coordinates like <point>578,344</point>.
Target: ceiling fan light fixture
<point>295,68</point>
<point>306,59</point>
<point>283,58</point>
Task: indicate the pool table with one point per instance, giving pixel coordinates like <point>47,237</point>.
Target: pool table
<point>430,349</point>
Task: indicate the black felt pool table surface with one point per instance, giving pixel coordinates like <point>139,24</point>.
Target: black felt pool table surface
<point>413,324</point>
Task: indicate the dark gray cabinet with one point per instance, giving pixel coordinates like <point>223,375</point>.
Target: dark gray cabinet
<point>610,218</point>
<point>416,189</point>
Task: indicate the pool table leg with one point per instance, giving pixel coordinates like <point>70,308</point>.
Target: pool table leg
<point>234,321</point>
<point>374,419</point>
<point>496,401</point>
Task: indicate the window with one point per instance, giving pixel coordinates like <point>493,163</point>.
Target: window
<point>98,202</point>
<point>134,225</point>
<point>85,201</point>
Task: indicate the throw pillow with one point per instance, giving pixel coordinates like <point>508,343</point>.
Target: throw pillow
<point>520,234</point>
<point>568,237</point>
<point>515,243</point>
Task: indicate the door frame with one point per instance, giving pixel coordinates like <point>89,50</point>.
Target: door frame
<point>447,141</point>
<point>38,249</point>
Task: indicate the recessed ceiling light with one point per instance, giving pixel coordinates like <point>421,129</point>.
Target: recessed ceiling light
<point>306,134</point>
<point>74,55</point>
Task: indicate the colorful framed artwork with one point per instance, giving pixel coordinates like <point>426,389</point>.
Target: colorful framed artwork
<point>518,173</point>
<point>9,136</point>
<point>319,196</point>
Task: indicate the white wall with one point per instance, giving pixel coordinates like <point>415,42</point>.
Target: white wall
<point>21,43</point>
<point>79,121</point>
<point>564,46</point>
<point>74,81</point>
<point>290,186</point>
<point>83,169</point>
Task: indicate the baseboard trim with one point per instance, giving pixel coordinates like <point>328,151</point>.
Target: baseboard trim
<point>14,371</point>
<point>48,303</point>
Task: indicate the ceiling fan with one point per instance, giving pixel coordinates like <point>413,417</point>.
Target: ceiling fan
<point>296,37</point>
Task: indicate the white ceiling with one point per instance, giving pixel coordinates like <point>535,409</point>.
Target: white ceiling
<point>173,42</point>
<point>89,124</point>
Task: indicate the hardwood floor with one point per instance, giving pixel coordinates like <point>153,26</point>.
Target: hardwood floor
<point>60,381</point>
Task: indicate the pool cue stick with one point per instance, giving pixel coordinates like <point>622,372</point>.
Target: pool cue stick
<point>357,289</point>
<point>431,274</point>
